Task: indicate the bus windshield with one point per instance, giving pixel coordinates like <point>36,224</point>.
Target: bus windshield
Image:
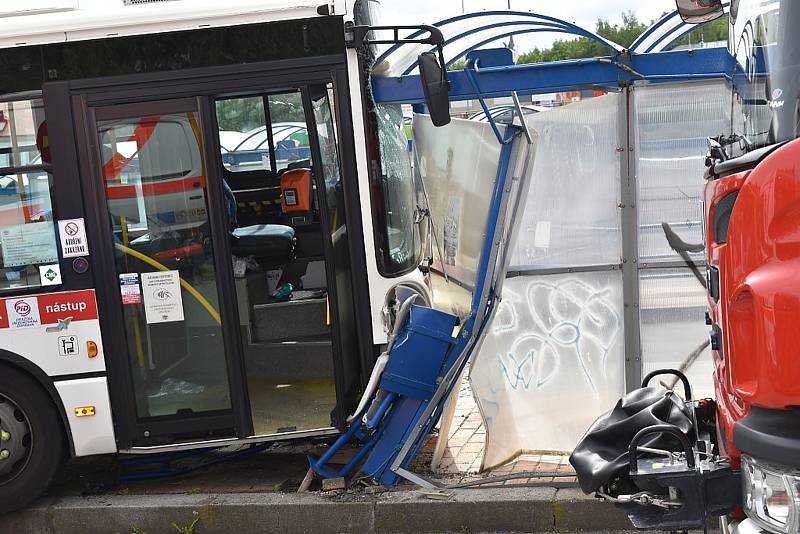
<point>766,46</point>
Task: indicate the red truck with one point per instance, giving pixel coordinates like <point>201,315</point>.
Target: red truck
<point>673,462</point>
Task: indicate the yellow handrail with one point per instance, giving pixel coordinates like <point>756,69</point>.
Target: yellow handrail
<point>184,284</point>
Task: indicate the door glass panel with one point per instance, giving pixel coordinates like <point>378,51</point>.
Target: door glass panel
<point>245,140</point>
<point>323,104</point>
<point>155,187</point>
<point>279,262</point>
<point>28,249</point>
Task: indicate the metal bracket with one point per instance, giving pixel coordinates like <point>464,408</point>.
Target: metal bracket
<point>524,124</point>
<point>356,36</point>
<point>471,70</point>
<point>414,478</point>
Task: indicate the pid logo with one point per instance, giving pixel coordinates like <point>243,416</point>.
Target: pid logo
<point>23,313</point>
<point>22,308</point>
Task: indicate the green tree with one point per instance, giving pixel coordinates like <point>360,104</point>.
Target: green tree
<point>458,65</point>
<point>287,107</point>
<point>583,47</point>
<point>240,114</point>
<point>708,33</point>
<point>245,114</point>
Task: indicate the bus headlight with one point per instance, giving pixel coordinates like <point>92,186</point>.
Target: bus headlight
<point>771,495</point>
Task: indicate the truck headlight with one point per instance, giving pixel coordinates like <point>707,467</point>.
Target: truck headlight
<point>771,495</point>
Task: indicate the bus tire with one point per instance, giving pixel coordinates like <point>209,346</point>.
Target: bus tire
<point>31,440</point>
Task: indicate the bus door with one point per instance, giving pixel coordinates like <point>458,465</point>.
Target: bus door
<point>162,269</point>
<point>225,269</point>
<point>281,166</point>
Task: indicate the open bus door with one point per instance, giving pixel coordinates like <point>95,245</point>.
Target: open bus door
<point>196,350</point>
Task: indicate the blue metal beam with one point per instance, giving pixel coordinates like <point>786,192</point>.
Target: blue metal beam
<point>684,65</point>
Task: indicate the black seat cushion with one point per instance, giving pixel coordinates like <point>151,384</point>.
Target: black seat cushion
<point>270,244</point>
<point>602,453</point>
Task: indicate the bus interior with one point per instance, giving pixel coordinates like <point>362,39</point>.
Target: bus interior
<point>155,171</point>
<point>282,288</point>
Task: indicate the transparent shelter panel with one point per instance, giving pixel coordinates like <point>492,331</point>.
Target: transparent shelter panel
<point>670,190</point>
<point>456,166</point>
<point>572,214</point>
<point>553,358</point>
<point>673,329</point>
<point>672,124</point>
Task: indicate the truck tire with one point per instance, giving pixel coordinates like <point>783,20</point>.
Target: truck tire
<point>31,440</point>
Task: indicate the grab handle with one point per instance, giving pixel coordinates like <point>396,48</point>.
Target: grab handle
<point>657,429</point>
<point>687,389</point>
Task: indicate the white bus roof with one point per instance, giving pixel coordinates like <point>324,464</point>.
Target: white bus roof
<point>30,22</point>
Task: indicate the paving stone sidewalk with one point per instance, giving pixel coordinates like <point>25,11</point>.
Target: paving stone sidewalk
<point>465,446</point>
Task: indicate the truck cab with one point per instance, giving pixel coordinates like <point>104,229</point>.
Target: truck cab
<point>751,197</point>
<point>737,456</point>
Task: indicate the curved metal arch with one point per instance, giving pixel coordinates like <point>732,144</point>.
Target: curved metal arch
<point>407,61</point>
<point>524,28</point>
<point>544,18</point>
<point>463,53</point>
<point>665,32</point>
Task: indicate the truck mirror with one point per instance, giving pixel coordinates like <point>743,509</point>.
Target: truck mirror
<point>699,11</point>
<point>436,87</point>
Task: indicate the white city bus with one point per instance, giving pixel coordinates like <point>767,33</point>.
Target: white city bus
<point>160,289</point>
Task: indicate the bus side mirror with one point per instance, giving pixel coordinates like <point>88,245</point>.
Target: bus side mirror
<point>436,87</point>
<point>699,11</point>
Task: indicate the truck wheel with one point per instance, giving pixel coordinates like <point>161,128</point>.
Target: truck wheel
<point>31,440</point>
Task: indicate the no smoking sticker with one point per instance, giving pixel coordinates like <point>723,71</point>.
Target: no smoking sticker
<point>72,233</point>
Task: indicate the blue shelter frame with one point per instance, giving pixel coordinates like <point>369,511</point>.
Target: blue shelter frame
<point>389,442</point>
<point>646,60</point>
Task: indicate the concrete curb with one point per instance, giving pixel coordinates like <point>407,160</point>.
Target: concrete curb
<point>483,510</point>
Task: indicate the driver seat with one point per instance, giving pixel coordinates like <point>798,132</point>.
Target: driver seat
<point>272,245</point>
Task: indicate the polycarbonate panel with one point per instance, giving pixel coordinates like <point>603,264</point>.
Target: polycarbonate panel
<point>457,165</point>
<point>672,124</point>
<point>673,329</point>
<point>551,363</point>
<point>572,214</point>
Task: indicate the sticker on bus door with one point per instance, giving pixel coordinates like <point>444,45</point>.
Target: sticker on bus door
<point>73,238</point>
<point>129,288</point>
<point>28,244</point>
<point>162,297</point>
<point>23,313</point>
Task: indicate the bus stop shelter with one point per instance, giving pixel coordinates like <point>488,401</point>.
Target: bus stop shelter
<point>595,297</point>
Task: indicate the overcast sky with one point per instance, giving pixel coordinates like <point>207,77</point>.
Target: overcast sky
<point>584,13</point>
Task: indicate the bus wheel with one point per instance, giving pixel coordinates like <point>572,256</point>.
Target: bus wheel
<point>31,440</point>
